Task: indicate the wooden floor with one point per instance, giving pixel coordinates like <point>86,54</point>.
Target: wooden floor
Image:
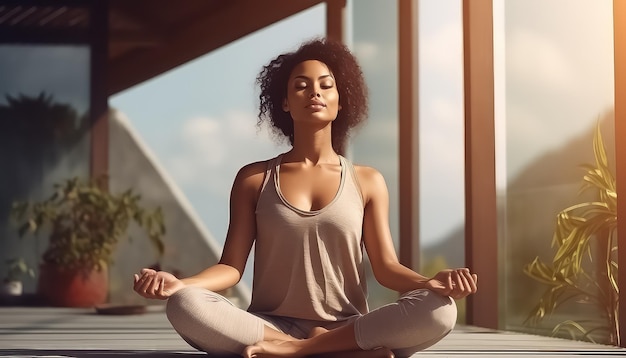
<point>61,332</point>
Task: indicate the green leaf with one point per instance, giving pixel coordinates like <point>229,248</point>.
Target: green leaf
<point>579,228</point>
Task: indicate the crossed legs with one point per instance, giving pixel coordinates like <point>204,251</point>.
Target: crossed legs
<point>416,321</point>
<point>211,323</point>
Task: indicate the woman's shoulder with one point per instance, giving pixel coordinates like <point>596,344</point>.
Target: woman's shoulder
<point>371,181</point>
<point>254,168</point>
<point>367,173</point>
<point>253,173</point>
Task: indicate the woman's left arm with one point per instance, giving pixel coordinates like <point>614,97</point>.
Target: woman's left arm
<point>389,272</point>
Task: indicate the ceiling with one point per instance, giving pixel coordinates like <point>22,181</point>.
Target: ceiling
<point>145,37</point>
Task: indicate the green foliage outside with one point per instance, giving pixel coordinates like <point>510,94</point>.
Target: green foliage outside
<point>583,269</point>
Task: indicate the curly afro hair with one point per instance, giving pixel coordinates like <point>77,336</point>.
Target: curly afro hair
<point>351,86</point>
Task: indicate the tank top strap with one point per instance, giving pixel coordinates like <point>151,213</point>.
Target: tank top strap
<point>271,163</point>
<point>351,172</point>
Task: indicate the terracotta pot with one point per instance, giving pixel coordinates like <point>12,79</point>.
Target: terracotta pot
<point>72,288</point>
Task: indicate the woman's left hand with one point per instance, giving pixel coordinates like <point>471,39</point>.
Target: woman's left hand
<point>456,283</point>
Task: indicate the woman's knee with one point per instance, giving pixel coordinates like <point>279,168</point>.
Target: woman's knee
<point>432,313</point>
<point>445,316</point>
<point>186,303</point>
<point>418,319</point>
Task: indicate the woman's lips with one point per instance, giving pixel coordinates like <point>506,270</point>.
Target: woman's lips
<point>316,105</point>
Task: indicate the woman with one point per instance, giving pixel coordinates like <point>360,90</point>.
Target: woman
<point>310,213</point>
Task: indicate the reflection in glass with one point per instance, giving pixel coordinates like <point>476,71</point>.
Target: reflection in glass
<point>44,101</point>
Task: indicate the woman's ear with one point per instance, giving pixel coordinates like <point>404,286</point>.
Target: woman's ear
<point>285,105</point>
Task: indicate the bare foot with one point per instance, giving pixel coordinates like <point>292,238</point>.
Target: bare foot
<point>267,349</point>
<point>316,331</point>
<point>374,353</point>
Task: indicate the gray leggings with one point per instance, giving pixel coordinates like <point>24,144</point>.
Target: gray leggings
<point>211,323</point>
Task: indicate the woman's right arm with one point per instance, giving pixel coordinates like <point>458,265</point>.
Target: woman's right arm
<point>239,239</point>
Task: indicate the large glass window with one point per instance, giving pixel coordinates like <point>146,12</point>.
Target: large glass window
<point>376,143</point>
<point>554,69</point>
<point>44,120</point>
<point>441,137</point>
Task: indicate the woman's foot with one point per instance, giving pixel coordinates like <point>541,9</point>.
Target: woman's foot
<point>316,331</point>
<point>301,348</point>
<point>374,353</point>
<point>267,349</point>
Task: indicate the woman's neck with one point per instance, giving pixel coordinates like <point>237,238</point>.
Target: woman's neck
<point>314,147</point>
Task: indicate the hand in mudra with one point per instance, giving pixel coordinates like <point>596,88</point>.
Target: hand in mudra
<point>456,283</point>
<point>156,284</point>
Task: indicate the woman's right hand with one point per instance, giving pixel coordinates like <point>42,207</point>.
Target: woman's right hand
<point>156,284</point>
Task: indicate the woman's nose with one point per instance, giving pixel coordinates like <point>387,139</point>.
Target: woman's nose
<point>315,94</point>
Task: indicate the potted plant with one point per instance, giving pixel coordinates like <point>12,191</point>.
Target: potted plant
<point>84,223</point>
<point>12,282</point>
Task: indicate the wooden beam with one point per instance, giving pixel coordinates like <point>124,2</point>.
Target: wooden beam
<point>408,137</point>
<point>234,21</point>
<point>335,19</point>
<point>146,31</point>
<point>619,29</point>
<point>99,131</point>
<point>135,38</point>
<point>481,242</point>
<point>54,3</point>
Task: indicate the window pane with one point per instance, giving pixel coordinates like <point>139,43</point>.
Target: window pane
<point>44,124</point>
<point>557,86</point>
<point>376,143</point>
<point>441,137</point>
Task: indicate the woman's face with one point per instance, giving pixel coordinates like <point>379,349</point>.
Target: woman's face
<point>312,93</point>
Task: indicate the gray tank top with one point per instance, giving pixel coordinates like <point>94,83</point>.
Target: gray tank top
<point>309,264</point>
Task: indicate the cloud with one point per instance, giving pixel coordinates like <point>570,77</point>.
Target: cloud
<point>538,62</point>
<point>203,138</point>
<point>376,57</point>
<point>207,152</point>
<point>366,50</point>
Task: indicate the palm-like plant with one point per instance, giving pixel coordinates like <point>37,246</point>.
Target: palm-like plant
<point>578,227</point>
<point>39,118</point>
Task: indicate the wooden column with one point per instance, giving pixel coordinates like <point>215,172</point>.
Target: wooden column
<point>335,18</point>
<point>408,136</point>
<point>481,245</point>
<point>619,28</point>
<point>99,106</point>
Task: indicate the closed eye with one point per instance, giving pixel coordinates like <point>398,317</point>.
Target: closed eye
<point>327,84</point>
